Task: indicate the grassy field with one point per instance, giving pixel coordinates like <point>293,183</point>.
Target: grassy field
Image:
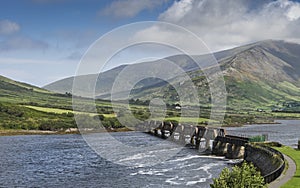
<point>63,111</point>
<point>50,110</point>
<point>286,115</point>
<point>295,155</point>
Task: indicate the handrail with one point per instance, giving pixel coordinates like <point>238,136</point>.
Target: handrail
<point>237,137</point>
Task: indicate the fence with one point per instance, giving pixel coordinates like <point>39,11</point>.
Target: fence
<point>258,138</point>
<point>252,138</point>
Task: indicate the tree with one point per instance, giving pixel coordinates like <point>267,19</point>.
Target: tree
<point>244,176</point>
<point>68,94</point>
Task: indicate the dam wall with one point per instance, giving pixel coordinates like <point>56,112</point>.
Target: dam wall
<point>269,161</point>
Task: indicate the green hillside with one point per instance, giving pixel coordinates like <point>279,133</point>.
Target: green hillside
<point>26,107</point>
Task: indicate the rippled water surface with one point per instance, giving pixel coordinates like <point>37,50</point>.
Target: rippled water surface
<point>67,161</point>
<point>286,132</point>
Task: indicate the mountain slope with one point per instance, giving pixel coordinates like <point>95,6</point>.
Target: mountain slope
<point>258,74</point>
<point>21,93</point>
<point>274,61</point>
<point>8,84</point>
<point>255,76</point>
<point>106,79</point>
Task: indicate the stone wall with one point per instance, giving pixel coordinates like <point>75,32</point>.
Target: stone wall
<point>270,162</point>
<point>263,158</point>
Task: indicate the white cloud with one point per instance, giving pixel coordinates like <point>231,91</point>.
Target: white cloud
<point>129,8</point>
<point>178,10</point>
<point>8,27</point>
<point>293,12</point>
<point>225,24</point>
<point>166,35</point>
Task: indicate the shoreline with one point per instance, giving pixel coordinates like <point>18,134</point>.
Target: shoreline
<point>17,132</point>
<point>260,123</point>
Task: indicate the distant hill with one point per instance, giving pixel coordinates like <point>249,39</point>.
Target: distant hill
<point>258,74</point>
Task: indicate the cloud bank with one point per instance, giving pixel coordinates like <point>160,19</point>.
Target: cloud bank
<point>226,24</point>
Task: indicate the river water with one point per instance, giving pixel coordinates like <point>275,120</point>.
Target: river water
<point>68,161</point>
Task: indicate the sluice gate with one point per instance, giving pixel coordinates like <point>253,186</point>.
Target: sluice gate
<point>198,137</point>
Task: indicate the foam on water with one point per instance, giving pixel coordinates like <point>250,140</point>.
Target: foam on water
<point>199,180</point>
<point>136,157</point>
<point>150,172</point>
<point>185,158</point>
<point>172,182</point>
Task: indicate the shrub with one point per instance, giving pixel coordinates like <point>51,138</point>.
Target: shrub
<point>244,176</point>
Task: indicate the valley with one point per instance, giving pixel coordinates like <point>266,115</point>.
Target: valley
<point>261,79</point>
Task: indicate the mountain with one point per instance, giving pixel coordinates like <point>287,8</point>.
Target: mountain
<point>266,73</point>
<point>258,74</point>
<point>274,61</point>
<point>263,74</point>
<point>106,79</point>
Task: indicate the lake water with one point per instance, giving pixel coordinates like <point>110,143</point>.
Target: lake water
<point>286,132</point>
<point>67,161</point>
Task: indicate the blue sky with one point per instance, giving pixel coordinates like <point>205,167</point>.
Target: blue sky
<point>43,40</point>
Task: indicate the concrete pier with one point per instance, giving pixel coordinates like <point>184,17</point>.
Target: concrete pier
<point>198,137</point>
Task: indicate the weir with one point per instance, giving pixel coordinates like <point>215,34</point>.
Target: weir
<point>197,137</point>
<point>215,141</point>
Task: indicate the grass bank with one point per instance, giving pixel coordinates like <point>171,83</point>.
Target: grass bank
<point>295,155</point>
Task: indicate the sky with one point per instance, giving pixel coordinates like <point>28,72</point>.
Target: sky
<point>42,41</point>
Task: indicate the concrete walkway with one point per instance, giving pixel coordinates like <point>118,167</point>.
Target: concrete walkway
<point>284,176</point>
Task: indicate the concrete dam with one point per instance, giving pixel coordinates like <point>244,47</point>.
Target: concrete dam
<point>215,141</point>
